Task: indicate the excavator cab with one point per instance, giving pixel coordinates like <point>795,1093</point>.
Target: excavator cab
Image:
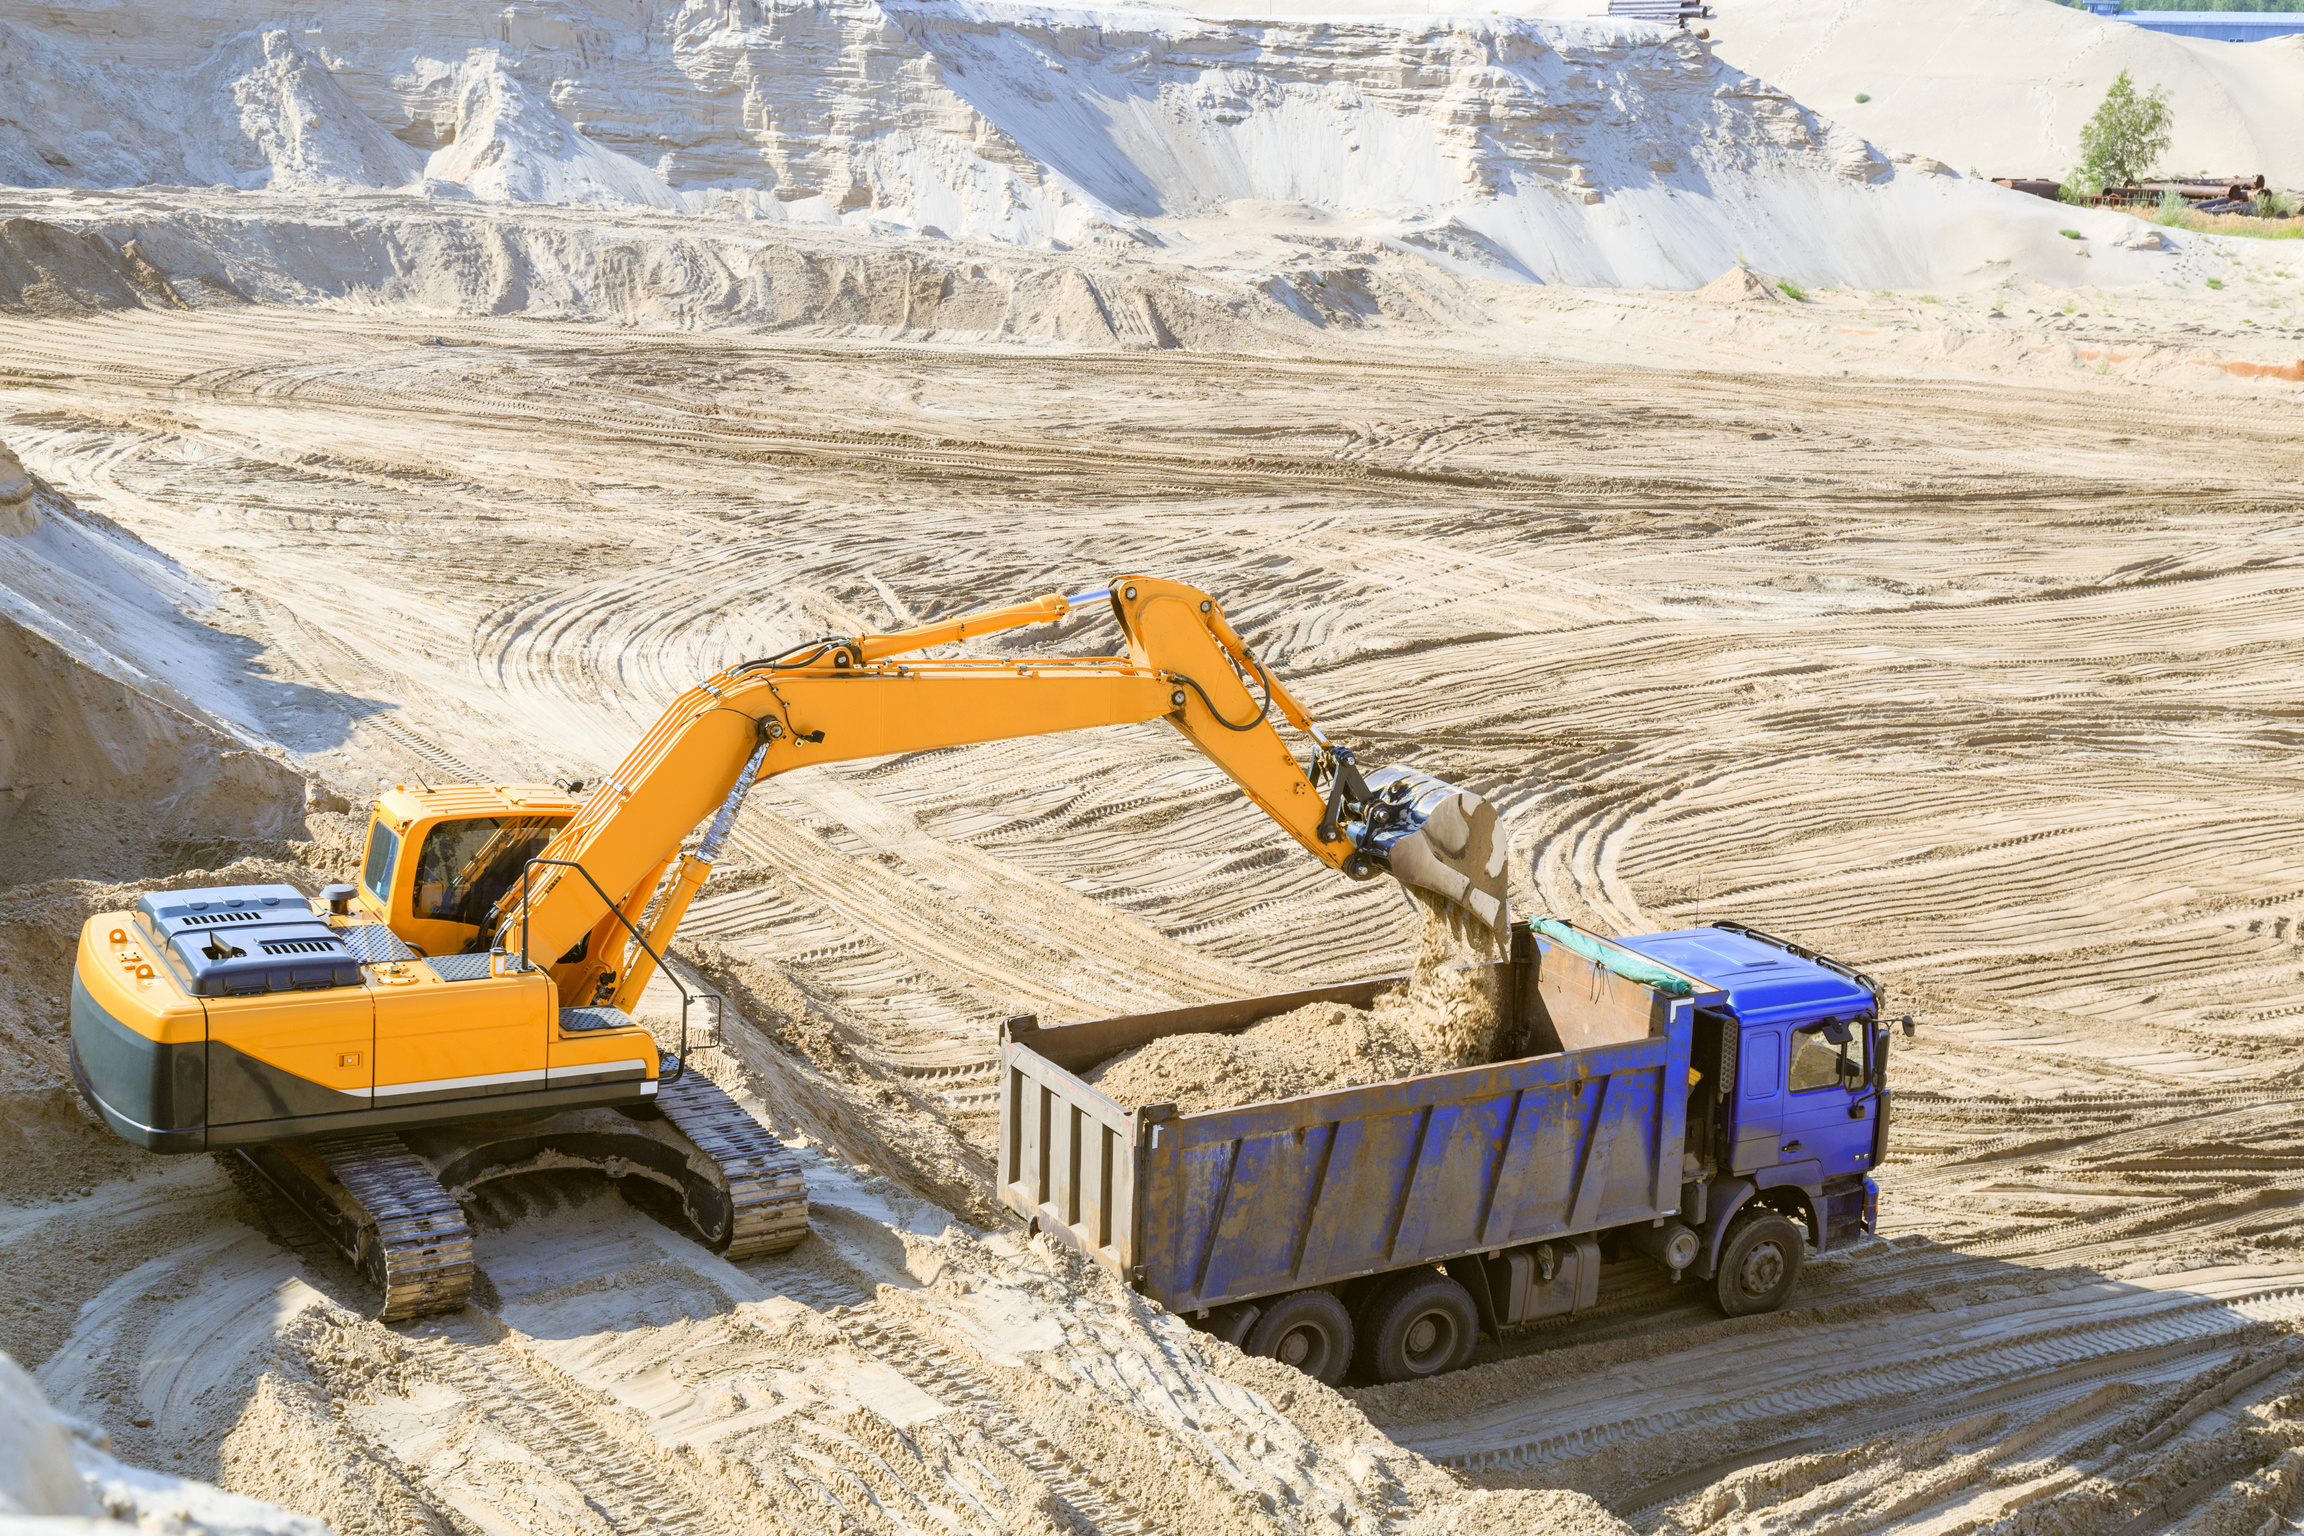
<point>437,862</point>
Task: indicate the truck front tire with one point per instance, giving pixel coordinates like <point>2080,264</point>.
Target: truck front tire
<point>1309,1330</point>
<point>1418,1325</point>
<point>1759,1263</point>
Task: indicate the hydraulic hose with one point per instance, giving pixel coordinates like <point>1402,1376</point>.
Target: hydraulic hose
<point>1217,716</point>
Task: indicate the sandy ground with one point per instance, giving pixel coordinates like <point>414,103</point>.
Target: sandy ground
<point>1914,634</point>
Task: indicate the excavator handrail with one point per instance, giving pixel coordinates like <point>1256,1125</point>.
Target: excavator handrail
<point>617,912</point>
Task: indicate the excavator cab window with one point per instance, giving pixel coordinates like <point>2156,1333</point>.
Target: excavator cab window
<point>376,870</point>
<point>466,866</point>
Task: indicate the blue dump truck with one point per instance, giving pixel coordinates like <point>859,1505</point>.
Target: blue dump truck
<point>1713,1099</point>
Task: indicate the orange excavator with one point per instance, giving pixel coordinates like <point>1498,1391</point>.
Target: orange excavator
<point>464,1011</point>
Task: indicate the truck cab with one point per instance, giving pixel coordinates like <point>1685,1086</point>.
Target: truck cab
<point>1789,1103</point>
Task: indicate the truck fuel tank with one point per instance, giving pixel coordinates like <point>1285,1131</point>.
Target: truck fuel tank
<point>1547,1280</point>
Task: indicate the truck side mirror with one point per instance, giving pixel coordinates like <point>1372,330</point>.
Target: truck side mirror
<point>1880,1058</point>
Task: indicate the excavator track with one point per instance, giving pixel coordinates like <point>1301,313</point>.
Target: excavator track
<point>767,1194</point>
<point>418,1252</point>
<point>381,1201</point>
<point>382,1207</point>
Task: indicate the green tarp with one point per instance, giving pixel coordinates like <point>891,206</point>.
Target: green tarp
<point>1623,962</point>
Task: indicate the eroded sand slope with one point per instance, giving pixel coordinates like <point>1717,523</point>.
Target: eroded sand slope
<point>2002,86</point>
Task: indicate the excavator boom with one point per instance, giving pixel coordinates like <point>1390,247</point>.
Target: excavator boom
<point>872,696</point>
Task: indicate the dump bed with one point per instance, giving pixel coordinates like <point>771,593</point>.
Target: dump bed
<point>1202,1209</point>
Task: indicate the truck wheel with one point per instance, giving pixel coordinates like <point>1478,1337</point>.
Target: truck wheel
<point>1759,1263</point>
<point>1421,1324</point>
<point>1309,1330</point>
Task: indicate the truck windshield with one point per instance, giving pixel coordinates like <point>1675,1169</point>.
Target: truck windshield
<point>466,866</point>
<point>1820,1062</point>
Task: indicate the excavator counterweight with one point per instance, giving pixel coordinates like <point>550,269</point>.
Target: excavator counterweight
<point>463,1011</point>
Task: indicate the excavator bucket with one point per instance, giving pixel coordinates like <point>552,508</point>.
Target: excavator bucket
<point>1444,844</point>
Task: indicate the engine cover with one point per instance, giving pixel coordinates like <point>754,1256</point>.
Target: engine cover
<point>246,940</point>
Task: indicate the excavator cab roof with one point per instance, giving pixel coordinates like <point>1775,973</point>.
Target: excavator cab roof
<point>404,803</point>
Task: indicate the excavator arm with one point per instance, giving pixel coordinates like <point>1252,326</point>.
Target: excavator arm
<point>868,696</point>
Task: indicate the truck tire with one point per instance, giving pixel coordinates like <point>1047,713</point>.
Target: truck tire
<point>1309,1330</point>
<point>1759,1263</point>
<point>1418,1325</point>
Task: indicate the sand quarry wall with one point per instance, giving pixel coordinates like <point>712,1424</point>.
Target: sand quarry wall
<point>2000,86</point>
<point>1585,152</point>
<point>2006,85</point>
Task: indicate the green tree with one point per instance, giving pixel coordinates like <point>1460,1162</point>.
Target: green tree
<point>2128,134</point>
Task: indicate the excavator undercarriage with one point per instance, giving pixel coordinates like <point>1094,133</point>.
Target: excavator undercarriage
<point>393,1203</point>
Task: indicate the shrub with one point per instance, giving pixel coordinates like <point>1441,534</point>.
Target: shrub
<point>1861,98</point>
<point>2129,132</point>
<point>2069,234</point>
<point>2173,210</point>
<point>2215,282</point>
<point>1792,290</point>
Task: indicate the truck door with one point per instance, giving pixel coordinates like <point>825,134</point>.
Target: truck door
<point>1759,1100</point>
<point>1828,1108</point>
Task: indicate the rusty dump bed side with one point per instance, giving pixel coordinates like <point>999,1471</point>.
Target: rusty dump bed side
<point>1198,1210</point>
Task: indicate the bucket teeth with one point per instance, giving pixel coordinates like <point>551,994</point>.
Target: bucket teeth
<point>1445,845</point>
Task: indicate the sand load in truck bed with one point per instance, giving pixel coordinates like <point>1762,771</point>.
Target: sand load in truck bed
<point>1440,1018</point>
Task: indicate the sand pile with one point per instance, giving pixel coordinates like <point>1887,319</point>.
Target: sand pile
<point>98,778</point>
<point>59,1475</point>
<point>110,765</point>
<point>1439,1019</point>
